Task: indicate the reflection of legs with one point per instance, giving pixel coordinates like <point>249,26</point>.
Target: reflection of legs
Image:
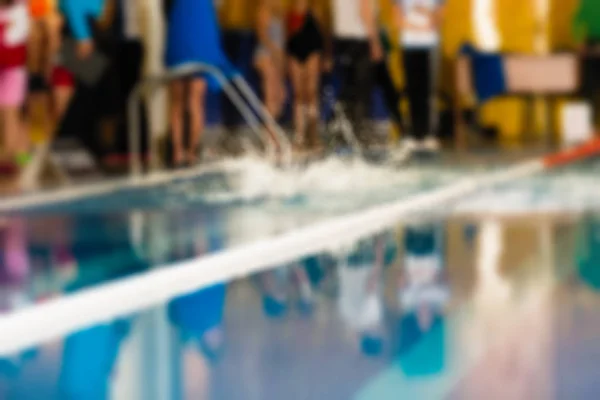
<point>299,85</point>
<point>273,285</point>
<point>176,116</point>
<point>196,108</point>
<point>313,69</point>
<point>304,288</point>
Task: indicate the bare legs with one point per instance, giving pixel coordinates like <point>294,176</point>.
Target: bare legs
<point>15,139</point>
<point>191,93</point>
<point>273,88</point>
<point>305,81</point>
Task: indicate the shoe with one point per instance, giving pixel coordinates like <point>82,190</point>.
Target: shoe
<point>405,151</point>
<point>431,144</point>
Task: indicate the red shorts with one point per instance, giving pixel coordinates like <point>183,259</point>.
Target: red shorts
<point>62,77</point>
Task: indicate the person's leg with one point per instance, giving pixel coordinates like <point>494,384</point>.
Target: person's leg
<point>177,89</point>
<point>299,86</point>
<point>313,81</point>
<point>390,92</point>
<point>363,77</point>
<point>63,89</point>
<point>17,136</point>
<point>197,109</point>
<point>344,71</point>
<point>417,73</point>
<point>270,87</point>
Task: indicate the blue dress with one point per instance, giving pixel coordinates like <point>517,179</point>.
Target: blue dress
<point>193,36</point>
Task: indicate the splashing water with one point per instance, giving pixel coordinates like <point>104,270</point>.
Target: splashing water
<point>252,179</point>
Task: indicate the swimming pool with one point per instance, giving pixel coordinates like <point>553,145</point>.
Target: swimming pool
<point>261,202</point>
<point>80,245</point>
<point>506,278</point>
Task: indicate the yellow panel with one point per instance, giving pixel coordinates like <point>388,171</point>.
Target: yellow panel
<point>561,18</point>
<point>238,14</point>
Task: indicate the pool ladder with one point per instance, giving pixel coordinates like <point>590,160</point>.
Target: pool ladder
<point>239,92</point>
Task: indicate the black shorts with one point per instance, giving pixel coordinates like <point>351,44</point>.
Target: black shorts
<point>307,41</point>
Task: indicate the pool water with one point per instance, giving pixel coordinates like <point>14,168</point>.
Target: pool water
<point>450,314</point>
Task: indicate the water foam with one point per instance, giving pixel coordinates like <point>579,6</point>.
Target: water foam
<point>251,179</point>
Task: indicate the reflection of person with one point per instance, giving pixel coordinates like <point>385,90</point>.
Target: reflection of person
<point>419,22</point>
<point>275,287</point>
<point>199,315</point>
<point>361,291</point>
<point>588,254</point>
<point>89,356</point>
<point>422,297</point>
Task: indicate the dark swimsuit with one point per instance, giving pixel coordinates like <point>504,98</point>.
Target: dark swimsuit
<point>304,36</point>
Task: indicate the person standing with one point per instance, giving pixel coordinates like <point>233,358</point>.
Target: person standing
<point>238,23</point>
<point>305,47</point>
<point>14,31</point>
<point>419,23</point>
<point>189,20</point>
<point>361,61</point>
<point>269,57</point>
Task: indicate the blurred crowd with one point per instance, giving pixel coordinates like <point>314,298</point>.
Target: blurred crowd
<point>50,50</point>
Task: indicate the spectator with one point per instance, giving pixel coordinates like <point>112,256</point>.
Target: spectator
<point>305,46</point>
<point>189,20</point>
<point>44,42</point>
<point>419,23</point>
<point>360,58</point>
<point>78,14</point>
<point>238,23</point>
<point>90,41</point>
<point>269,57</point>
<point>14,30</point>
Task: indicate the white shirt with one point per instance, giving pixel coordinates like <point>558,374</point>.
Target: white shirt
<point>347,21</point>
<point>419,13</point>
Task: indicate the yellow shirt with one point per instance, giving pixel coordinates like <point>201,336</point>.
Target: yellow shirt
<point>238,14</point>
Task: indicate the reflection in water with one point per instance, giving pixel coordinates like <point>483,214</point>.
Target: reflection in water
<point>361,289</point>
<point>588,254</point>
<point>391,292</point>
<point>423,295</point>
<point>103,253</point>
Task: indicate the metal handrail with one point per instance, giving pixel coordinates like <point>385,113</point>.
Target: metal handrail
<point>284,142</point>
<point>187,69</point>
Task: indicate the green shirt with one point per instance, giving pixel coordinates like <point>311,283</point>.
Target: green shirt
<point>586,24</point>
